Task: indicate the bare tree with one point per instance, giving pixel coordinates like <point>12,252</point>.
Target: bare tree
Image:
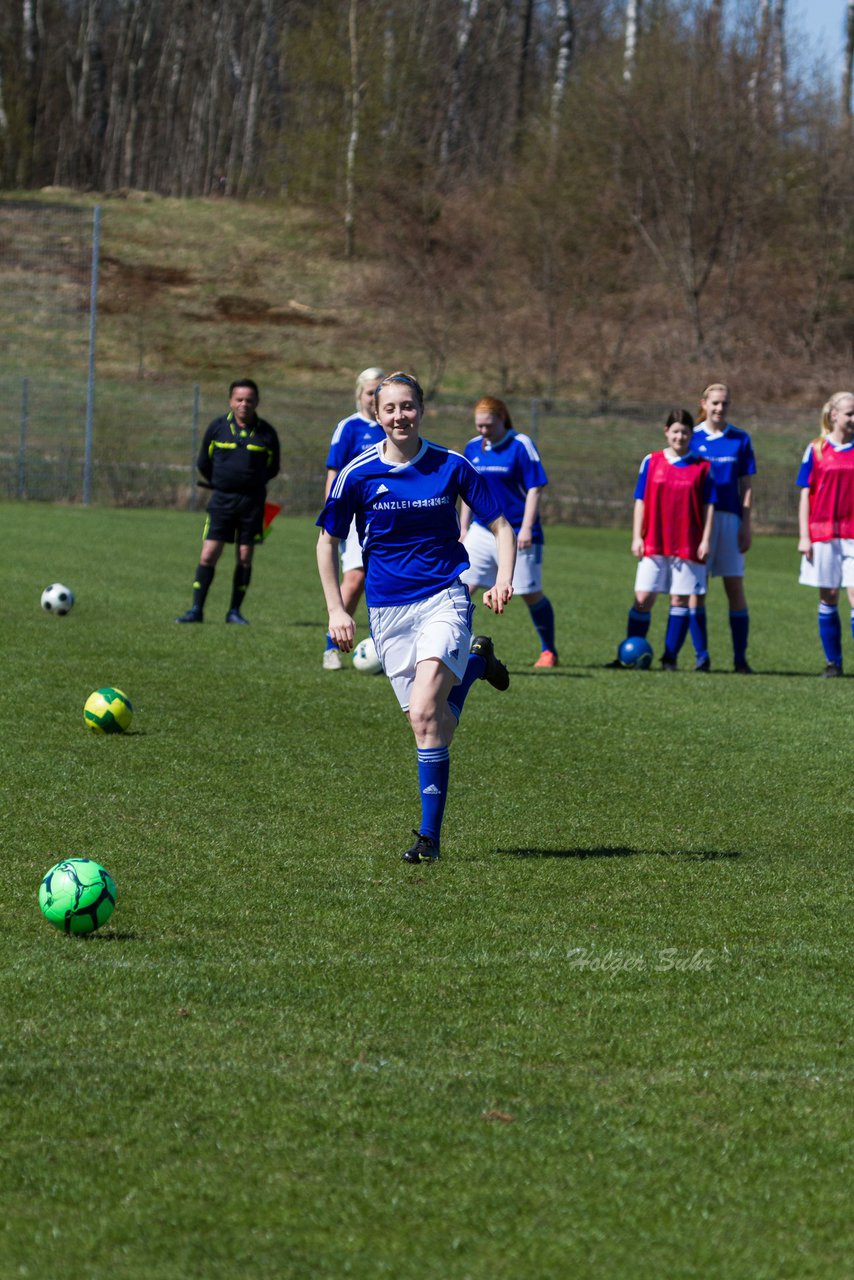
<point>565,49</point>
<point>849,59</point>
<point>450,133</point>
<point>778,55</point>
<point>634,13</point>
<point>356,90</point>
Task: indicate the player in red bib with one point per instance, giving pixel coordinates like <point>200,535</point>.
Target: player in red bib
<point>826,522</point>
<point>671,530</point>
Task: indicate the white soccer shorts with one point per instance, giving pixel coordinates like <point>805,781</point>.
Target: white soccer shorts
<point>671,575</point>
<point>406,634</point>
<point>350,550</point>
<point>725,559</point>
<point>483,569</point>
<point>832,564</point>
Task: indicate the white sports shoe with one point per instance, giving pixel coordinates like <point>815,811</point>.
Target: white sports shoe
<point>332,660</point>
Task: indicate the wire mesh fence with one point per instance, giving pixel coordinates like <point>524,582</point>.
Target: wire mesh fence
<point>144,434</point>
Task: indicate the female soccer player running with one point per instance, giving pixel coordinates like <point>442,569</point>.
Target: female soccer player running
<point>671,532</point>
<point>730,453</point>
<point>403,494</point>
<point>350,438</point>
<point>826,522</point>
<point>509,463</point>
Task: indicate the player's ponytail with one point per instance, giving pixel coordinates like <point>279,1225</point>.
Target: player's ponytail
<point>713,386</point>
<point>833,403</point>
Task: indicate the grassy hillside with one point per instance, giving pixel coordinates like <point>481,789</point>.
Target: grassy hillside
<point>195,292</point>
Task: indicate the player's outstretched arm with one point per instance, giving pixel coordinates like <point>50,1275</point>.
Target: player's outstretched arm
<point>502,593</point>
<point>342,629</point>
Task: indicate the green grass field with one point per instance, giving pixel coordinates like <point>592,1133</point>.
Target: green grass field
<point>608,1035</point>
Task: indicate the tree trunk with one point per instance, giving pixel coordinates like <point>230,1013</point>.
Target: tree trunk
<point>849,61</point>
<point>453,119</point>
<point>353,140</point>
<point>634,14</point>
<point>778,62</point>
<point>565,50</point>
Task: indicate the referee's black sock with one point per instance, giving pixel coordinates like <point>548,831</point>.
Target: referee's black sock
<point>242,574</point>
<point>201,585</point>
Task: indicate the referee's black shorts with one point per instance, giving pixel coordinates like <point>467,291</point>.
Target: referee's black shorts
<point>235,517</point>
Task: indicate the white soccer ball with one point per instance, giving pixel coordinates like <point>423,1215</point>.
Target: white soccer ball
<point>57,599</point>
<point>365,658</point>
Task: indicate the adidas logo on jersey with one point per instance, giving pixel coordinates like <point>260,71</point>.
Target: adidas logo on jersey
<point>382,489</point>
<point>432,790</point>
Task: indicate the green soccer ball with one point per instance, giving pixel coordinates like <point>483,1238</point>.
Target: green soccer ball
<point>108,711</point>
<point>77,895</point>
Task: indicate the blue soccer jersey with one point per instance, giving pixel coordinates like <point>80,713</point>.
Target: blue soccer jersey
<point>731,456</point>
<point>407,520</point>
<point>510,467</point>
<point>350,438</point>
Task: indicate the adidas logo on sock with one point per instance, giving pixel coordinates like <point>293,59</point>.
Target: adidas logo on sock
<point>432,790</point>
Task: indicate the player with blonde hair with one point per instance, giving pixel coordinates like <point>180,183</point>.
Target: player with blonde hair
<point>826,522</point>
<point>351,437</point>
<point>730,452</point>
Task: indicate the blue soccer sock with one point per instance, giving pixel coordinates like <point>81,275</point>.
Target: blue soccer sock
<point>543,618</point>
<point>638,623</point>
<point>474,670</point>
<point>677,630</point>
<point>434,768</point>
<point>699,631</point>
<point>830,633</point>
<point>330,643</point>
<point>739,625</point>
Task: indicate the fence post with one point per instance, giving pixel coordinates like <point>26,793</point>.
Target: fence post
<point>194,488</point>
<point>90,381</point>
<point>535,420</point>
<point>22,443</point>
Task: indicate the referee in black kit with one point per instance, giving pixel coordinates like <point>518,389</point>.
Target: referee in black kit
<point>238,457</point>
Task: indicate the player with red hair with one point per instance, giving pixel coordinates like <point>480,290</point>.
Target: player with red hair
<point>509,463</point>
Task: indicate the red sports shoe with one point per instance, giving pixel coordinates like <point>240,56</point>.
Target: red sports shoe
<point>546,659</point>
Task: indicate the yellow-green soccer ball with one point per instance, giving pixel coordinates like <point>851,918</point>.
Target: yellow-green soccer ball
<point>77,895</point>
<point>108,711</point>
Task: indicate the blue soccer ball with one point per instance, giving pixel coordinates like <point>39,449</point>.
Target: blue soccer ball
<point>635,652</point>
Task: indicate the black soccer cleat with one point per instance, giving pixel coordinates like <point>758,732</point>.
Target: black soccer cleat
<point>425,849</point>
<point>743,669</point>
<point>495,671</point>
<point>234,615</point>
<point>831,671</point>
<point>705,664</point>
<point>192,615</point>
<point>668,663</point>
